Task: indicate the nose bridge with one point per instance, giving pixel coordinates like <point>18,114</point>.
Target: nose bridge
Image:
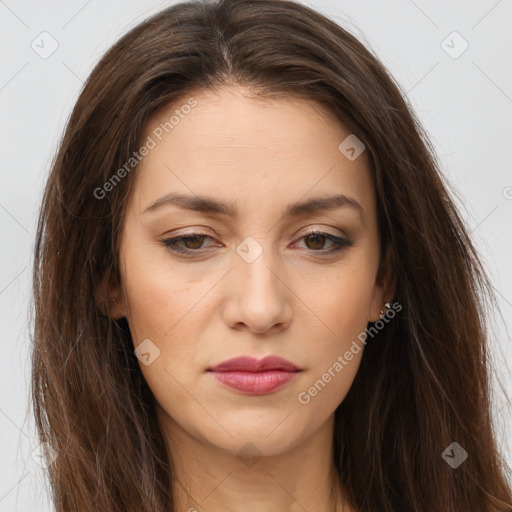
<point>259,297</point>
<point>255,260</point>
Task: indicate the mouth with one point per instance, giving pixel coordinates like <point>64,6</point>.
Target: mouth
<point>255,377</point>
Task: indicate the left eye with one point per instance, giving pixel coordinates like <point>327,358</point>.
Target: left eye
<point>314,242</point>
<point>316,238</point>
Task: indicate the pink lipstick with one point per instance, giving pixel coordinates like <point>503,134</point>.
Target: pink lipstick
<point>253,376</point>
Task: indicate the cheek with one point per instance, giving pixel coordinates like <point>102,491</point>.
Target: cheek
<point>160,305</point>
<point>160,297</point>
<point>344,309</point>
<point>344,304</point>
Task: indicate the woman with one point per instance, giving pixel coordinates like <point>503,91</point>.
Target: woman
<point>252,288</point>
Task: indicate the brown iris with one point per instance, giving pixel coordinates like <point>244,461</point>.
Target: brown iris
<point>317,240</point>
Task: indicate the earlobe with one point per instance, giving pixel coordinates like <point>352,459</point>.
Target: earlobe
<point>116,309</point>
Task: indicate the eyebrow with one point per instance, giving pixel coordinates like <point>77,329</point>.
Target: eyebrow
<point>209,205</point>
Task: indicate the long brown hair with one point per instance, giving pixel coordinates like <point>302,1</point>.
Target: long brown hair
<point>421,386</point>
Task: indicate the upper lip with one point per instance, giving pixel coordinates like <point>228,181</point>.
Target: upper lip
<point>250,364</point>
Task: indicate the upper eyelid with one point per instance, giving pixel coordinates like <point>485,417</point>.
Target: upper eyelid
<point>193,234</point>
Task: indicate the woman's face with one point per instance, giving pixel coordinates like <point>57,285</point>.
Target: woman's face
<point>252,279</point>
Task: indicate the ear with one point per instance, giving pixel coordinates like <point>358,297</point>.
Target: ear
<point>110,299</point>
<point>385,284</point>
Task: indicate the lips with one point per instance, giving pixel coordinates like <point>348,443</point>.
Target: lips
<point>255,377</point>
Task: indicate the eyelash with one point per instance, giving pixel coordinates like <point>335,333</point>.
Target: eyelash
<point>340,243</point>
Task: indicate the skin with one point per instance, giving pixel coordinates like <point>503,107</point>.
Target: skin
<point>260,155</point>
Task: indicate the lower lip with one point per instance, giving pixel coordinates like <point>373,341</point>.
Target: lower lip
<point>255,383</point>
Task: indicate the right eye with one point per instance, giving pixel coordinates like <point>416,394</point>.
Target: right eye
<point>192,242</point>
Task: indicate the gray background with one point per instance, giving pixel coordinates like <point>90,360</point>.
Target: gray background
<point>465,103</point>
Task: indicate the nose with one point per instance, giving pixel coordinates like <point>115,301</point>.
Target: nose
<point>258,299</point>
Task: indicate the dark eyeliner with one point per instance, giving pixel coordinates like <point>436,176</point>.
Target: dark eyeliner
<point>340,243</point>
<point>172,243</point>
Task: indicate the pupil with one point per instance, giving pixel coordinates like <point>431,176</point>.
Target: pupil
<point>190,241</point>
<point>316,239</point>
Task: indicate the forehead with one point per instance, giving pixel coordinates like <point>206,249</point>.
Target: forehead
<point>248,151</point>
